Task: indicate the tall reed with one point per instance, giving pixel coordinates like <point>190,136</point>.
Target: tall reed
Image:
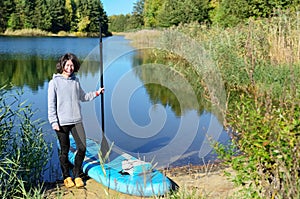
<point>260,67</point>
<point>23,150</point>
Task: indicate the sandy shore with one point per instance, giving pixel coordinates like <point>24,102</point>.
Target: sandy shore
<point>207,182</point>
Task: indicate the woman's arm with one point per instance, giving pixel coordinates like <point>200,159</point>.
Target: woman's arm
<point>52,106</point>
<point>90,95</point>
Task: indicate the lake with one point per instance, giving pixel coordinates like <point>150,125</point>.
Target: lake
<point>151,110</point>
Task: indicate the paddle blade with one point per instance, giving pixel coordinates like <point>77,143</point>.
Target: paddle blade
<point>104,149</point>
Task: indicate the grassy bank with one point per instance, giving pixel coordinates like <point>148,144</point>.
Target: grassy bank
<point>259,70</point>
<point>26,32</point>
<point>41,33</point>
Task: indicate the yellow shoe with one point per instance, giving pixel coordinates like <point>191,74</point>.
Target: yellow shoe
<point>79,183</point>
<point>68,182</point>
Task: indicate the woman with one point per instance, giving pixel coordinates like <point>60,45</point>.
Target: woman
<point>64,114</point>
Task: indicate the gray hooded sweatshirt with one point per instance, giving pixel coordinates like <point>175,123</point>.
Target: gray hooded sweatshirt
<point>64,96</point>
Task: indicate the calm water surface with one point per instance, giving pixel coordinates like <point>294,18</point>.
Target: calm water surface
<point>150,111</point>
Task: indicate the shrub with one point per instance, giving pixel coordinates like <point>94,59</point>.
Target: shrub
<point>267,147</point>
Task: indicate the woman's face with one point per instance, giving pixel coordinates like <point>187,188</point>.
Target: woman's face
<point>68,69</point>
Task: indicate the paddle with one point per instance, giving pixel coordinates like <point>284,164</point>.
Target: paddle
<point>104,148</point>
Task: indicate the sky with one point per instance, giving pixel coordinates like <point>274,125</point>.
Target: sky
<point>117,7</point>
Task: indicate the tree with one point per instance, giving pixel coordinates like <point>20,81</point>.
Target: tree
<point>230,13</point>
<point>69,15</point>
<point>174,12</point>
<point>57,11</point>
<point>14,22</point>
<point>6,8</point>
<point>23,15</point>
<point>197,10</point>
<point>89,13</point>
<point>83,24</point>
<point>170,13</point>
<point>80,21</point>
<point>42,15</point>
<point>151,9</point>
<point>96,14</point>
<point>118,23</point>
<point>259,8</point>
<point>15,17</point>
<point>28,14</point>
<point>136,20</point>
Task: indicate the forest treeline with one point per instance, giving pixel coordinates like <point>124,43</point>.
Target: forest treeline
<point>53,15</point>
<point>83,15</point>
<point>224,13</point>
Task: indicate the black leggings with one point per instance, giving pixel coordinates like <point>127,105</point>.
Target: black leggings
<point>78,133</point>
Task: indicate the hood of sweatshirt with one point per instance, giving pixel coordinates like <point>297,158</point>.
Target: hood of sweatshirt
<point>59,75</point>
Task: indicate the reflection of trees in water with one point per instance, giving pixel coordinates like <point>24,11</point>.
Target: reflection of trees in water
<point>33,71</point>
<point>20,70</point>
<point>89,67</point>
<point>176,69</point>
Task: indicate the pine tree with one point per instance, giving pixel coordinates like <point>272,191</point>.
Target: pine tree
<point>7,7</point>
<point>42,15</point>
<point>57,11</point>
<point>29,7</point>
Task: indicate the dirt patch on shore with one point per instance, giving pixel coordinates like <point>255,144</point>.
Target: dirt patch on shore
<point>201,182</point>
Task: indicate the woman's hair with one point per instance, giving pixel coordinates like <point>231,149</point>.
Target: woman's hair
<point>62,62</point>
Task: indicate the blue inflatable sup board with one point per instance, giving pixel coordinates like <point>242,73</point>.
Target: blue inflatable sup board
<point>125,173</point>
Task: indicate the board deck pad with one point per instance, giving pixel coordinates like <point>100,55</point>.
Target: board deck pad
<point>130,165</point>
<point>124,173</point>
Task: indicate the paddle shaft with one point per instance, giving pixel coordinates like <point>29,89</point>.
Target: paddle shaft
<point>101,76</point>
